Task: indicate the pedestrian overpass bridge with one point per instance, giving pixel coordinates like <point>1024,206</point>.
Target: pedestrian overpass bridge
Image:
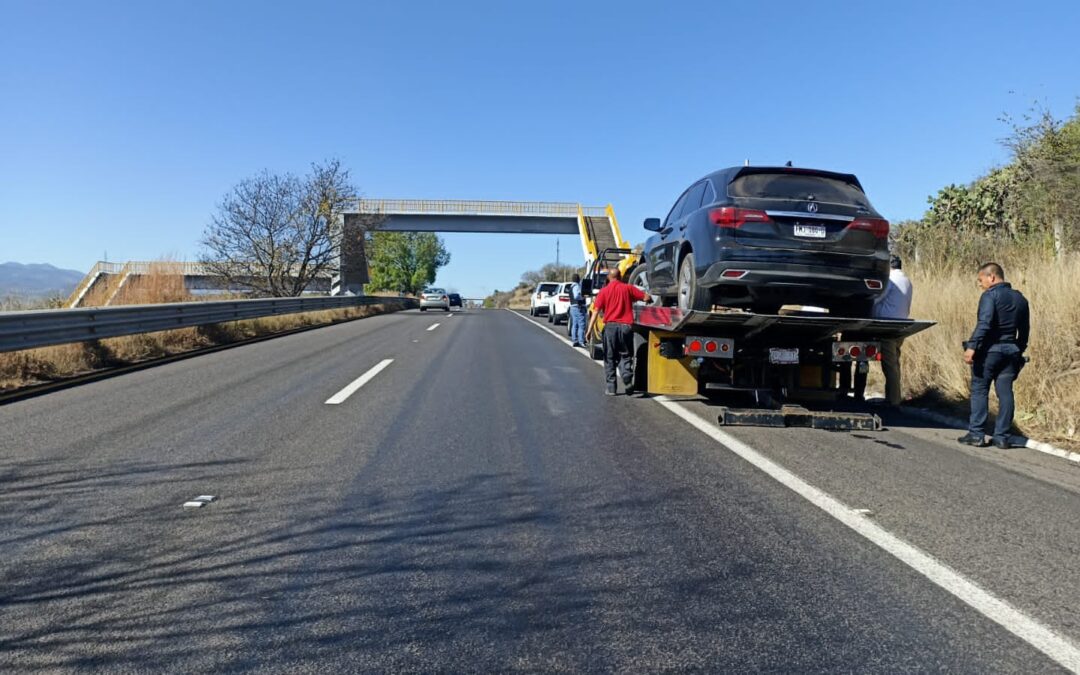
<point>596,226</point>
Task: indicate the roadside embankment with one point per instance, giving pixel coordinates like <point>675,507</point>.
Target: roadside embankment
<point>1048,390</point>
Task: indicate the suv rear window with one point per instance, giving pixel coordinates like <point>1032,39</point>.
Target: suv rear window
<point>797,187</point>
<point>547,288</point>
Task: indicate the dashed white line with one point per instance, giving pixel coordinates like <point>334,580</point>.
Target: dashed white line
<point>1045,639</point>
<point>433,326</point>
<point>351,388</point>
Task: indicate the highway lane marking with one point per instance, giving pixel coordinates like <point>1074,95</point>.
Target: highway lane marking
<point>1051,643</point>
<point>351,388</point>
<point>433,326</point>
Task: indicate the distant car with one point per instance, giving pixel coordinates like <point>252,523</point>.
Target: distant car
<point>538,302</point>
<point>455,300</point>
<point>434,298</point>
<point>559,304</point>
<point>763,237</point>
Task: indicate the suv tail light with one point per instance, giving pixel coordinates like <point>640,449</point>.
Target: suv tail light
<point>879,227</point>
<point>731,217</point>
<point>873,284</point>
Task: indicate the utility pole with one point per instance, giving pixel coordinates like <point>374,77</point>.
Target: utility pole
<point>557,254</point>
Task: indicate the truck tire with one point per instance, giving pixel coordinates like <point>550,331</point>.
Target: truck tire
<point>691,296</point>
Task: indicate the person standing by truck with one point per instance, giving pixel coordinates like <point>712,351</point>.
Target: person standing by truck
<point>995,353</point>
<point>895,303</point>
<point>577,312</point>
<point>615,304</point>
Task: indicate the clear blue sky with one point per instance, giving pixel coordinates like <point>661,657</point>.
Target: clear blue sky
<point>122,124</point>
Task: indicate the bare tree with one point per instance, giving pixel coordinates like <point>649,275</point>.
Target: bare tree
<point>275,234</point>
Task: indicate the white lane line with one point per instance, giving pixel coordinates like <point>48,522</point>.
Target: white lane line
<point>1045,639</point>
<point>433,326</point>
<point>349,390</point>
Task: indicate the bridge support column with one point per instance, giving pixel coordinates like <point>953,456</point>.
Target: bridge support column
<point>352,263</point>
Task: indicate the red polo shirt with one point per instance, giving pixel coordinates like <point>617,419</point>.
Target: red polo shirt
<point>615,301</point>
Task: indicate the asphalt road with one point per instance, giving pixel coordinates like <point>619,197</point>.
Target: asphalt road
<point>479,505</point>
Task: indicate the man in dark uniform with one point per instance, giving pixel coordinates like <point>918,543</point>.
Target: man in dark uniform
<point>996,354</point>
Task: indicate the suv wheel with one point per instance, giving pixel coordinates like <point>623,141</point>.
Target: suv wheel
<point>691,296</point>
<point>639,278</point>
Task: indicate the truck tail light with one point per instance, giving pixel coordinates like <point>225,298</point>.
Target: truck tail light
<point>846,352</point>
<point>879,227</point>
<point>731,217</point>
<point>564,298</point>
<point>707,346</point>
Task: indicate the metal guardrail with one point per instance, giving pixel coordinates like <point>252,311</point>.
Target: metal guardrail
<point>44,327</point>
<point>452,207</point>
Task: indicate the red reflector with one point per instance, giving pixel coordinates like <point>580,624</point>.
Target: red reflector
<point>855,352</point>
<point>840,351</point>
<point>729,216</point>
<point>871,351</point>
<point>879,227</point>
<point>695,346</point>
<point>710,347</point>
<point>873,284</point>
<point>733,274</point>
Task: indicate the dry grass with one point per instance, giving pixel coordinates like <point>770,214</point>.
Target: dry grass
<point>164,284</point>
<point>1048,390</point>
<point>35,366</point>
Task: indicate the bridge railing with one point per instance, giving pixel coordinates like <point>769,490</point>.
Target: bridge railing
<point>452,207</point>
<point>41,328</point>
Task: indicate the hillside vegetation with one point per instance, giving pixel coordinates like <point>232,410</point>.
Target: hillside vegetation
<point>1026,216</point>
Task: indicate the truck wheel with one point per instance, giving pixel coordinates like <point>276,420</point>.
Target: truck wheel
<point>691,296</point>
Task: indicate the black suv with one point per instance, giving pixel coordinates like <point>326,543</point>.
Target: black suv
<point>763,237</point>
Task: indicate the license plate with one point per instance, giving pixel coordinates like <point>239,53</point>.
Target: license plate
<point>783,356</point>
<point>811,231</point>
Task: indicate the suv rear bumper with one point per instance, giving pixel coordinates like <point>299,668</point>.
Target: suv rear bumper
<point>794,281</point>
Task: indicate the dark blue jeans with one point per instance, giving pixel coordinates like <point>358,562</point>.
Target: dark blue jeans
<point>1000,365</point>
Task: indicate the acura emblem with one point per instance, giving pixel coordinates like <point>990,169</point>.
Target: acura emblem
<point>812,207</point>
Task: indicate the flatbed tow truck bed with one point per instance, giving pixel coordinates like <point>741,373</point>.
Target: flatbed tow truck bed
<point>796,368</point>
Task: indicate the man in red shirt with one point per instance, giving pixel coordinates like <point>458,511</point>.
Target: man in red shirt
<point>615,303</point>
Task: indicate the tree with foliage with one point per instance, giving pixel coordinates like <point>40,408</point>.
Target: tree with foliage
<point>1046,159</point>
<point>275,233</point>
<point>1032,202</point>
<point>405,262</point>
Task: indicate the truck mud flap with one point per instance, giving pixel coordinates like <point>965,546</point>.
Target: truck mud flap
<point>797,416</point>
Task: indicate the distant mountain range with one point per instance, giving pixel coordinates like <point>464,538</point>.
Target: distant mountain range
<point>36,280</point>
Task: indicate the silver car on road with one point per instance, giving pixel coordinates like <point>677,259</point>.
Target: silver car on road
<point>434,298</point>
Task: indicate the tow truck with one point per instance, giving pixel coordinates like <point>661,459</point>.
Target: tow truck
<point>796,366</point>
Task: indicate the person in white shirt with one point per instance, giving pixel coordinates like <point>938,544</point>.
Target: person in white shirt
<point>895,303</point>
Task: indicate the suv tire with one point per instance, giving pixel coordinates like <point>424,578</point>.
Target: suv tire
<point>691,296</point>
